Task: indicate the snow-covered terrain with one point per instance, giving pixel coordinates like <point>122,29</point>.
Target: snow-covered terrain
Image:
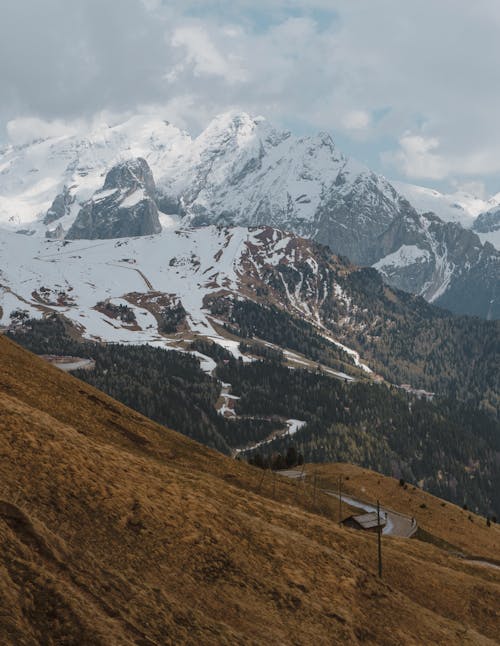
<point>273,172</point>
<point>266,170</point>
<point>92,282</point>
<point>82,273</point>
<point>461,207</point>
<point>242,171</point>
<point>32,175</point>
<point>405,256</point>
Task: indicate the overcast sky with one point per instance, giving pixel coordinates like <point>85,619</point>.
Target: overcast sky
<point>410,87</point>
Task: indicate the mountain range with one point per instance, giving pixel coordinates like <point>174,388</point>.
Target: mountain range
<point>242,171</point>
<point>139,235</point>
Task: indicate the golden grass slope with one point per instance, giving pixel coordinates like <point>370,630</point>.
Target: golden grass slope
<point>114,530</point>
<point>442,522</point>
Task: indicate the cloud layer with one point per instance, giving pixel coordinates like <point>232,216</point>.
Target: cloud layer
<point>411,87</point>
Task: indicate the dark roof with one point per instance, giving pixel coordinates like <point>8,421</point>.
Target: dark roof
<point>368,520</point>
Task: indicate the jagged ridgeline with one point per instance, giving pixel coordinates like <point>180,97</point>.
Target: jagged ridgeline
<point>374,425</point>
<point>243,171</point>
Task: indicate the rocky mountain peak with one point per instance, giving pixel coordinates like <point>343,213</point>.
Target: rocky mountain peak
<point>131,175</point>
<point>60,206</point>
<point>488,222</point>
<point>124,207</point>
<point>241,170</point>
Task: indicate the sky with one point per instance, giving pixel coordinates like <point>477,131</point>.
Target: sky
<point>410,88</point>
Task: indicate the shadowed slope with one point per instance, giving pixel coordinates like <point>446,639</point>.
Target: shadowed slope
<point>114,530</point>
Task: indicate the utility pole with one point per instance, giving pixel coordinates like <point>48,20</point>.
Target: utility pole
<point>340,500</point>
<point>315,478</point>
<point>379,540</point>
<point>261,479</point>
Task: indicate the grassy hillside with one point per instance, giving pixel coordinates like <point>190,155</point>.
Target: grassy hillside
<point>441,522</point>
<point>447,446</point>
<point>114,530</point>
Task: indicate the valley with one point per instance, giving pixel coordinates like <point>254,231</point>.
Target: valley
<point>254,339</point>
<point>117,530</point>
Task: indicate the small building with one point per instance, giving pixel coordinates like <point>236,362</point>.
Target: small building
<point>368,522</point>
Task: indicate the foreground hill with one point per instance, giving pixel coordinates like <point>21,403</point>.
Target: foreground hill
<point>115,530</point>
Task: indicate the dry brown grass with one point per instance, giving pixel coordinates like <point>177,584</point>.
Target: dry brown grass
<point>442,521</point>
<point>114,530</point>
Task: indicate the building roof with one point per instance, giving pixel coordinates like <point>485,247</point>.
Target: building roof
<point>368,520</point>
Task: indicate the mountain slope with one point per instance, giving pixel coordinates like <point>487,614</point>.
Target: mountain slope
<point>234,296</point>
<point>243,171</point>
<point>487,225</point>
<point>443,263</point>
<point>203,271</point>
<point>460,206</point>
<point>115,530</point>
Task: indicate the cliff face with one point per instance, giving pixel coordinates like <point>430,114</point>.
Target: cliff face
<point>124,207</point>
<point>488,222</point>
<point>443,262</point>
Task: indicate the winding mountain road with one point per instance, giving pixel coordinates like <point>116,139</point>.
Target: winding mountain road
<point>396,524</point>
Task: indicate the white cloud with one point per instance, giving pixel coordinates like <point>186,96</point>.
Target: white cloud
<point>26,129</point>
<point>356,120</point>
<point>416,78</point>
<point>201,52</point>
<point>421,157</point>
<point>418,157</point>
<point>476,188</point>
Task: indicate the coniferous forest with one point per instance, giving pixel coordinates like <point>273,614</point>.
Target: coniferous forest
<point>448,446</point>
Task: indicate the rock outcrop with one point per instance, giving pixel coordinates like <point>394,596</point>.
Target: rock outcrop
<point>60,207</point>
<point>488,221</point>
<point>124,207</point>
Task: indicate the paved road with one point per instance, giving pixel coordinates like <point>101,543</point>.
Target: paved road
<point>396,524</point>
<point>72,363</point>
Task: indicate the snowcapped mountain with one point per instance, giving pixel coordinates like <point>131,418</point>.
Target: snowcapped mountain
<point>461,207</point>
<point>125,290</point>
<point>126,205</point>
<point>242,171</point>
<point>487,225</point>
<point>443,262</point>
<point>33,175</point>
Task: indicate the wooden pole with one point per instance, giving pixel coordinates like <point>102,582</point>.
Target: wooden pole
<point>274,484</point>
<point>315,478</point>
<point>340,500</point>
<point>261,479</point>
<point>379,540</point>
